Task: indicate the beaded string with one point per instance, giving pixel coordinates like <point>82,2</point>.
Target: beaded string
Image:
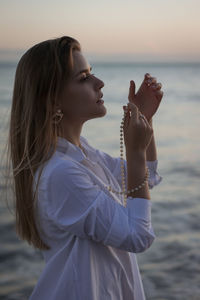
<point>122,162</point>
<point>123,192</point>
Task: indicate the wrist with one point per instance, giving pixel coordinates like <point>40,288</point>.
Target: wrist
<point>136,155</point>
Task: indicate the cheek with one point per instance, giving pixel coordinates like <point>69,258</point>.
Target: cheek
<point>83,96</point>
<point>77,99</point>
<point>74,105</point>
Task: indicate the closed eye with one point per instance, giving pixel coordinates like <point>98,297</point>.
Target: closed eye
<point>87,76</point>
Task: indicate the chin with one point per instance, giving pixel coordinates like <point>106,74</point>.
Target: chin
<point>103,112</point>
<point>98,114</point>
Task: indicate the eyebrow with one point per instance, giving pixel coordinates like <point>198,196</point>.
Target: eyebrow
<point>83,71</point>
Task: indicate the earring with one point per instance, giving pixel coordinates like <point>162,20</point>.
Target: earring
<point>58,116</point>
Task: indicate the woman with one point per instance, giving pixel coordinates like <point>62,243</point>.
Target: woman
<point>87,211</point>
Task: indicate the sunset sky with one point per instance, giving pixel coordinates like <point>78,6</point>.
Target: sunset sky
<point>156,29</point>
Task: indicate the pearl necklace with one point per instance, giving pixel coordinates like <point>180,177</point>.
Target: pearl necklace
<point>123,192</point>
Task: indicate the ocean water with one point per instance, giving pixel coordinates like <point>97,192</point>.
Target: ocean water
<point>171,267</point>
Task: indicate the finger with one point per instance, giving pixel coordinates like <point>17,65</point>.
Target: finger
<point>156,86</point>
<point>159,95</point>
<point>134,111</point>
<point>154,80</point>
<point>131,94</point>
<point>126,117</point>
<point>147,76</point>
<point>151,80</point>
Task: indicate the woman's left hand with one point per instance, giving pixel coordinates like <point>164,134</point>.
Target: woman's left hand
<point>148,97</point>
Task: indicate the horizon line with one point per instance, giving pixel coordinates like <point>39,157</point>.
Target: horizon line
<point>14,54</point>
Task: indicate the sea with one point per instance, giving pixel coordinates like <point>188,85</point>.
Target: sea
<point>170,268</point>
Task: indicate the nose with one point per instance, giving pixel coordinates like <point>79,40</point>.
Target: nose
<point>100,84</point>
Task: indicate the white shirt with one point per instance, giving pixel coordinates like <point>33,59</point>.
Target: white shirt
<point>92,236</point>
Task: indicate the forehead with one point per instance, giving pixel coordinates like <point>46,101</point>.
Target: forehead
<point>79,62</point>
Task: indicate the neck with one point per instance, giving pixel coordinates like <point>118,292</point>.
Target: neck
<point>72,132</point>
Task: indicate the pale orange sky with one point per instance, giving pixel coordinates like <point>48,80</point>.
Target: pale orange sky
<point>156,28</point>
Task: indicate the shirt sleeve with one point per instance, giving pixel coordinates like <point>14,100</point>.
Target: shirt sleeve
<point>114,165</point>
<point>154,178</point>
<point>77,205</point>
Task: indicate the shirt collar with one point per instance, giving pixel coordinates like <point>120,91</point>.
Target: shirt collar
<point>75,152</point>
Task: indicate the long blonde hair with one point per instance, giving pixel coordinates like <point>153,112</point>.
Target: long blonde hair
<point>40,75</point>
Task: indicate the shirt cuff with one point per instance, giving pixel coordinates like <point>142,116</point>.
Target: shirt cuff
<point>142,208</point>
<point>154,177</point>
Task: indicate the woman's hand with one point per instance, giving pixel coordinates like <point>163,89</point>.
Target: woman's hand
<point>137,131</point>
<point>148,97</point>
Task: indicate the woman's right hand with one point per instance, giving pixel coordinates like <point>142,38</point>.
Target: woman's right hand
<point>137,131</point>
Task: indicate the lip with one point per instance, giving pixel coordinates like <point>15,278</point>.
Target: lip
<point>100,97</point>
<point>100,101</point>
